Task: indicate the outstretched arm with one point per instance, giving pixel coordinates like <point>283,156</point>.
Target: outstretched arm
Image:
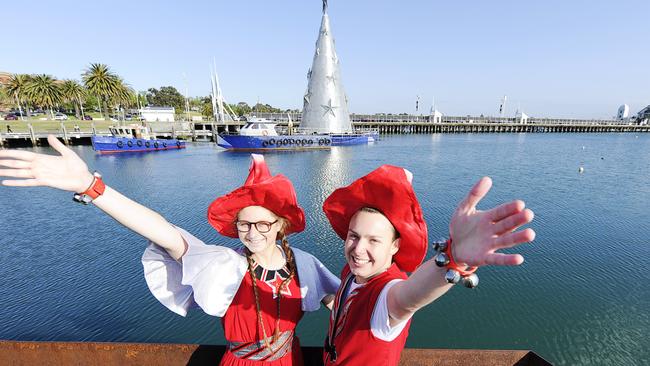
<point>476,235</point>
<point>69,172</point>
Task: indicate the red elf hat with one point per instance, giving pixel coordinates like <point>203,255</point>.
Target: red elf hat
<point>260,189</point>
<point>387,189</point>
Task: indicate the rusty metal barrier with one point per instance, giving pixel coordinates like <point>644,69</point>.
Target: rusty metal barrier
<point>14,353</point>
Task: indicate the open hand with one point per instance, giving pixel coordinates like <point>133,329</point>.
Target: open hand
<point>477,235</point>
<point>66,171</point>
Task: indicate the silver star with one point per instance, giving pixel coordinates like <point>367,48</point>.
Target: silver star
<point>335,59</point>
<point>307,97</point>
<point>309,74</point>
<point>329,108</point>
<point>317,51</point>
<point>331,78</point>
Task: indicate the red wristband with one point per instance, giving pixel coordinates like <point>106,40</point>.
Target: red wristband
<point>452,263</point>
<point>97,187</point>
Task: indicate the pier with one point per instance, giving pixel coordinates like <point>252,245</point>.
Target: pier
<point>29,134</point>
<point>95,353</point>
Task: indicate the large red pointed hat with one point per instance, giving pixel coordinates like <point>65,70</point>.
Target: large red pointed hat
<point>389,190</point>
<point>274,193</point>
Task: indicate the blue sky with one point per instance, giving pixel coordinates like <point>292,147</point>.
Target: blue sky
<point>575,59</point>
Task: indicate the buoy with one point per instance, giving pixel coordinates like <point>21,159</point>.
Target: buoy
<point>581,170</point>
<point>583,147</point>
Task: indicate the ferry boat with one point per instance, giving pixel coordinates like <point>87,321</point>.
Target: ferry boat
<point>260,134</point>
<point>132,138</point>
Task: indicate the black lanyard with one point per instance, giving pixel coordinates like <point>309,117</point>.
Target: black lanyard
<point>329,342</point>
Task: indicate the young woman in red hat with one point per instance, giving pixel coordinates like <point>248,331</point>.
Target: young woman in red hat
<point>260,291</point>
<point>385,235</point>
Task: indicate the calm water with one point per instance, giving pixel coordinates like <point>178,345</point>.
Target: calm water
<point>581,298</point>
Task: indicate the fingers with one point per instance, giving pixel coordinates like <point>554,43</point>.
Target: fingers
<point>513,221</point>
<point>504,210</point>
<point>510,240</point>
<point>476,194</point>
<point>18,154</point>
<point>57,145</point>
<point>500,259</point>
<point>16,173</point>
<point>16,164</point>
<point>22,183</point>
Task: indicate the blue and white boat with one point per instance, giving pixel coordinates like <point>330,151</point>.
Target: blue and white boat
<point>260,134</point>
<point>132,138</point>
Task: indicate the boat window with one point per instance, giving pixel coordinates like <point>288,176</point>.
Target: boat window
<point>256,126</point>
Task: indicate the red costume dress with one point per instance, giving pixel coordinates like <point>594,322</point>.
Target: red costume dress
<point>243,331</point>
<point>350,340</point>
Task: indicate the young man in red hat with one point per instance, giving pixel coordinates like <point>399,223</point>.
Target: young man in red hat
<point>385,235</point>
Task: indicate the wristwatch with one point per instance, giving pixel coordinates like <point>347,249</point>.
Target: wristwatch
<point>96,189</point>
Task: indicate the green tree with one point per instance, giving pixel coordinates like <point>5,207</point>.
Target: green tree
<point>100,81</point>
<point>206,107</point>
<point>125,96</point>
<point>166,96</point>
<point>241,108</point>
<point>74,93</point>
<point>44,91</point>
<point>15,89</point>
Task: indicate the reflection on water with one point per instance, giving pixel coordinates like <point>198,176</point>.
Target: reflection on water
<point>581,297</point>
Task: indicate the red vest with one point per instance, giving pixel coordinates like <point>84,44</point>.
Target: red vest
<point>353,341</point>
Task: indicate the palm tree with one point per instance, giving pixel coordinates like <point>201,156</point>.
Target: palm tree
<point>100,81</point>
<point>125,96</point>
<point>43,90</point>
<point>75,93</point>
<point>16,89</point>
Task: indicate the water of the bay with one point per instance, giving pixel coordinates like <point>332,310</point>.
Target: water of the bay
<point>581,298</point>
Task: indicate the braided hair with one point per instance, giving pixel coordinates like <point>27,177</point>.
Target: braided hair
<point>291,266</point>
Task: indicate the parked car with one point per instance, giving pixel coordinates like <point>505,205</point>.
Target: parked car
<point>11,117</point>
<point>88,118</point>
<point>60,117</point>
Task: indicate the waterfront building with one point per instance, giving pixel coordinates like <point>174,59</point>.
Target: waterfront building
<point>623,112</point>
<point>157,114</point>
<point>644,115</point>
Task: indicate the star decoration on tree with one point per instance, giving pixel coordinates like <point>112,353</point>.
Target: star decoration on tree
<point>307,97</point>
<point>329,108</point>
<point>331,78</point>
<point>317,51</point>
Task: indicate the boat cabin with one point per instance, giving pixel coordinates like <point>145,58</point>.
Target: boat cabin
<point>259,127</point>
<point>130,131</point>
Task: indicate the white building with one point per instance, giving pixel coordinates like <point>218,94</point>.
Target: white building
<point>157,114</point>
<point>521,118</point>
<point>623,112</point>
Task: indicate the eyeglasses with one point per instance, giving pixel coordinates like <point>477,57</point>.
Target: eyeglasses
<point>260,226</point>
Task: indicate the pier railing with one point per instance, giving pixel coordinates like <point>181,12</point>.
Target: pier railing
<point>125,354</point>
